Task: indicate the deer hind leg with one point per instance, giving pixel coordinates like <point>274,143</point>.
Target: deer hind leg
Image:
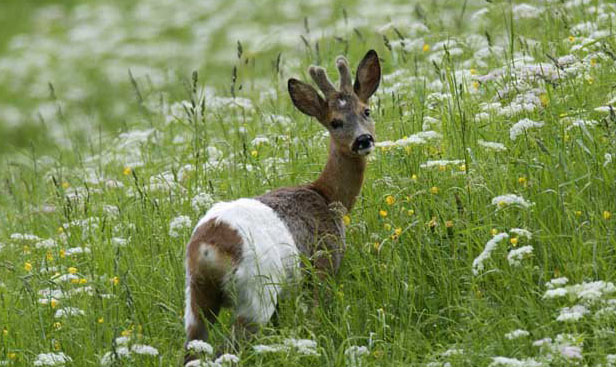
<point>203,303</point>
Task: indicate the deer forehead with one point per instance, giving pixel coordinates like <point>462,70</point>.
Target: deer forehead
<point>344,103</point>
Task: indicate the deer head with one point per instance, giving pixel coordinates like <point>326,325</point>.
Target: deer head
<point>345,111</point>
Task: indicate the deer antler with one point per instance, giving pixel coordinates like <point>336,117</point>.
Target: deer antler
<point>345,74</point>
<point>319,76</point>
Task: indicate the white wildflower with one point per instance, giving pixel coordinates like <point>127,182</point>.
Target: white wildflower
<point>354,355</point>
<point>110,357</point>
<point>591,291</point>
<point>515,256</point>
<point>521,126</point>
<point>119,241</point>
<point>111,210</point>
<point>178,225</point>
<point>512,362</point>
<point>52,359</point>
<point>554,293</point>
<point>200,346</point>
<point>227,359</point>
<point>582,124</point>
<point>485,254</point>
<point>77,251</point>
<point>525,11</point>
<point>69,311</point>
<point>273,348</point>
<point>144,350</point>
<point>47,244</point>
<point>201,202</point>
<point>521,232</point>
<point>303,346</point>
<point>511,199</point>
<point>24,237</point>
<point>497,147</point>
<point>122,340</point>
<point>519,333</point>
<point>557,282</point>
<point>604,109</point>
<point>452,352</point>
<point>260,140</point>
<point>572,313</point>
<point>571,351</point>
<point>607,159</point>
<point>441,163</point>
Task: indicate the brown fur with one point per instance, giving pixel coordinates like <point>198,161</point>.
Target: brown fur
<point>207,296</point>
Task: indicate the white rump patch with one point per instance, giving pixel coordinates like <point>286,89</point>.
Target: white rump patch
<point>269,256</point>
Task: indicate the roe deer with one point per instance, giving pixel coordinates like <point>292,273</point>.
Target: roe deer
<point>242,252</point>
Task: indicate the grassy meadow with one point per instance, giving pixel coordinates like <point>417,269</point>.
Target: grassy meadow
<point>484,234</point>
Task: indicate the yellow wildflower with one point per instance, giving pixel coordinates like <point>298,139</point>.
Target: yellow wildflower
<point>494,231</point>
<point>27,266</point>
<point>426,47</point>
<point>383,213</point>
<point>387,226</point>
<point>65,185</point>
<point>115,280</point>
<point>53,303</point>
<point>522,180</point>
<point>606,215</point>
<point>434,190</point>
<point>410,212</point>
<point>347,220</point>
<point>100,320</point>
<point>514,241</point>
<point>127,171</point>
<point>254,153</point>
<point>390,200</point>
<point>72,270</point>
<point>578,213</point>
<point>49,256</point>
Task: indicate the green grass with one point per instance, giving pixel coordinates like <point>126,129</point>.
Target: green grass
<point>409,297</point>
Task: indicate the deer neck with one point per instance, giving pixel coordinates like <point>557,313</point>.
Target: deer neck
<point>342,177</point>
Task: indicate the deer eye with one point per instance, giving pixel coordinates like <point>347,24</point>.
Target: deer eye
<point>337,123</point>
<point>367,112</point>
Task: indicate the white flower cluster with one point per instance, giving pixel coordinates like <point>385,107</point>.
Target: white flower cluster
<point>510,199</point>
<point>179,225</point>
<point>522,126</point>
<point>52,359</point>
<point>485,254</point>
<point>518,333</point>
<point>301,346</point>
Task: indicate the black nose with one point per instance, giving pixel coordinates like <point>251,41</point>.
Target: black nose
<point>362,142</point>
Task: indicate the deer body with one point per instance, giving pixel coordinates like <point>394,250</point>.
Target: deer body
<point>242,252</point>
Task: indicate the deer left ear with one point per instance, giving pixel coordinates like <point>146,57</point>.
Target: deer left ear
<point>306,98</point>
<point>368,76</point>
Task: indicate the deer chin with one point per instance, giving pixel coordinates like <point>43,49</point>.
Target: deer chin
<point>365,151</point>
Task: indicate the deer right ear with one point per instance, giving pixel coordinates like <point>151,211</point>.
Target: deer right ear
<point>306,98</point>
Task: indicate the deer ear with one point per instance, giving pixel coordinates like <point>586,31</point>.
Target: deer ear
<point>368,76</point>
<point>306,98</point>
